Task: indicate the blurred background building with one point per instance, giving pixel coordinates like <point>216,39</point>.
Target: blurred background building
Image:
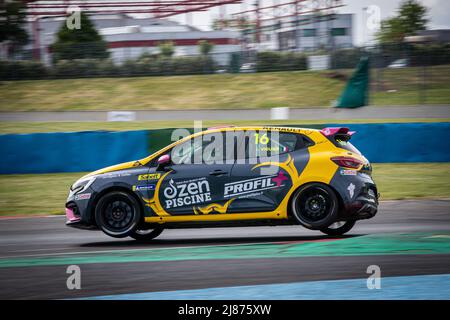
<point>310,33</point>
<point>154,38</point>
<point>128,37</point>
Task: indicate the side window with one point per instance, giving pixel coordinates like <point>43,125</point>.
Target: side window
<point>271,143</point>
<point>203,149</point>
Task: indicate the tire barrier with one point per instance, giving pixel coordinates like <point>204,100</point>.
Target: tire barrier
<point>91,150</point>
<point>69,151</point>
<point>402,142</point>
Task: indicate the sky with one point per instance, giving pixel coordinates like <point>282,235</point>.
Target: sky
<point>438,14</point>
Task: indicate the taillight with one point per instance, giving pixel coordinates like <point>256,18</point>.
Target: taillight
<point>347,162</point>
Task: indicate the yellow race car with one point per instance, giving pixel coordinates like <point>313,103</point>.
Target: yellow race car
<point>231,176</point>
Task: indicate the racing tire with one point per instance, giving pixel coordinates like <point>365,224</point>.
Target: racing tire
<point>315,206</point>
<point>340,230</point>
<point>146,234</point>
<point>117,214</point>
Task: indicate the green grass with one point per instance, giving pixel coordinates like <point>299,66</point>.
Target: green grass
<point>32,127</point>
<point>404,181</point>
<point>46,193</point>
<point>35,193</point>
<point>221,91</point>
<point>218,91</point>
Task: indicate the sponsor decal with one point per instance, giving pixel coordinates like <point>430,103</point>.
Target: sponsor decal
<point>351,190</point>
<point>244,187</point>
<point>271,149</point>
<point>251,195</point>
<point>348,172</point>
<point>295,130</point>
<point>83,196</point>
<point>144,188</point>
<point>114,175</point>
<point>185,193</point>
<point>279,179</point>
<point>151,176</point>
<point>213,207</point>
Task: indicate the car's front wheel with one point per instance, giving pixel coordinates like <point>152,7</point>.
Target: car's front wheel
<point>338,228</point>
<point>117,214</point>
<point>146,234</point>
<point>315,206</point>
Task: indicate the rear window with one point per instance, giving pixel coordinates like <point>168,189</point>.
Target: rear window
<point>342,141</point>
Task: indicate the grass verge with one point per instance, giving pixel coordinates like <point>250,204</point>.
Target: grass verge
<point>219,91</point>
<point>46,193</point>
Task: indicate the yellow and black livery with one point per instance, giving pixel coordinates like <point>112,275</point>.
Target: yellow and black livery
<point>231,176</point>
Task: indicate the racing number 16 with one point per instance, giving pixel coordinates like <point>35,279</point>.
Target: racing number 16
<point>261,140</point>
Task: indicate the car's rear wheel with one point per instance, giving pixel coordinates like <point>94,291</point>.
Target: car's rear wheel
<point>338,228</point>
<point>117,214</point>
<point>315,205</point>
<point>146,234</point>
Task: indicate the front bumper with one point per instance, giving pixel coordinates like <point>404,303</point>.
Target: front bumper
<point>75,221</point>
<point>78,211</point>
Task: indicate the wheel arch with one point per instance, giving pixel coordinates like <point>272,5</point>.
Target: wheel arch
<point>113,188</point>
<point>291,197</point>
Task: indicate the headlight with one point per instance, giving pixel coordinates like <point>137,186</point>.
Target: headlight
<point>82,184</point>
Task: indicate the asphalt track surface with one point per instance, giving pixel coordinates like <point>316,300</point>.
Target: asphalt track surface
<point>313,113</point>
<point>35,254</point>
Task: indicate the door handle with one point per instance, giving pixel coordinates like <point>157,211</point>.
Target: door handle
<point>217,172</point>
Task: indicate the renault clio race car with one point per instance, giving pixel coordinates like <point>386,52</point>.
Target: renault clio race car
<point>231,176</point>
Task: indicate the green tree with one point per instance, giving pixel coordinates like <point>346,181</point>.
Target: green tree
<point>205,47</point>
<point>12,17</point>
<point>166,48</point>
<point>82,43</point>
<point>411,17</point>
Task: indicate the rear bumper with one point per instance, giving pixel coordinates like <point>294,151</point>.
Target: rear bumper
<point>368,210</point>
<point>364,207</point>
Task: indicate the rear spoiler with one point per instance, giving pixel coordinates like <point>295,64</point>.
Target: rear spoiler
<point>331,131</point>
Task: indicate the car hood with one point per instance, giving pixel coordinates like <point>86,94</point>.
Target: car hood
<point>117,167</point>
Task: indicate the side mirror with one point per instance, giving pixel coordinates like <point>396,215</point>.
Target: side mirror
<point>163,161</point>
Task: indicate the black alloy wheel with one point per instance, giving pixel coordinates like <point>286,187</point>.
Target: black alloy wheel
<point>315,206</point>
<point>117,214</point>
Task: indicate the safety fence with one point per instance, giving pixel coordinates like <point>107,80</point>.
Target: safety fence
<point>91,150</point>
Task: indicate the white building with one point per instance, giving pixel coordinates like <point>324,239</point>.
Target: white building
<point>310,33</point>
<point>129,38</point>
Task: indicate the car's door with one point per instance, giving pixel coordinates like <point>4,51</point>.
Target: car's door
<point>258,182</point>
<point>193,183</point>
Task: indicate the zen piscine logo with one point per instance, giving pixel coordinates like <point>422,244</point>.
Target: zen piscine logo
<point>245,187</point>
<point>185,193</point>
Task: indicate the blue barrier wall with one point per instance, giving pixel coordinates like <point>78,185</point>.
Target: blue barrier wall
<point>69,151</point>
<point>402,142</point>
<point>88,151</point>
